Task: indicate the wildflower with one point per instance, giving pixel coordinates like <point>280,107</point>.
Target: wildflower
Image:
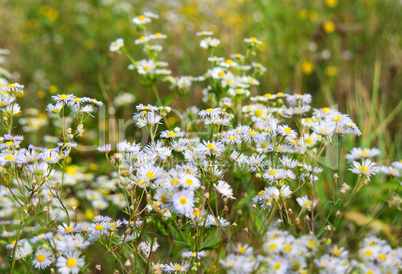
<point>367,168</point>
<point>306,203</point>
<point>141,20</point>
<point>43,259</point>
<point>70,262</point>
<point>63,98</point>
<point>252,40</point>
<point>358,153</point>
<point>209,42</point>
<point>146,247</point>
<point>307,67</point>
<point>175,268</point>
<point>199,254</point>
<point>328,26</point>
<point>116,45</point>
<point>105,148</point>
<point>183,202</point>
<point>225,189</point>
<point>14,87</point>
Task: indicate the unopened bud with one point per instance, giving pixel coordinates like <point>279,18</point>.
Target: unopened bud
<point>336,176</point>
<point>328,228</point>
<point>234,224</point>
<point>254,206</point>
<point>98,267</point>
<point>290,211</point>
<point>344,188</point>
<point>125,173</point>
<point>338,213</point>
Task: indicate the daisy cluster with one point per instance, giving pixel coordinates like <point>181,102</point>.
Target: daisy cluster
<point>241,168</point>
<point>284,253</point>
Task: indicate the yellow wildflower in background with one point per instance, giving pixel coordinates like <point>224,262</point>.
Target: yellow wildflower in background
<point>331,71</point>
<point>331,3</point>
<point>307,67</point>
<point>328,26</point>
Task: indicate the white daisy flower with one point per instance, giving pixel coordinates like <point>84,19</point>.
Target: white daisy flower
<point>183,202</point>
<point>43,259</point>
<point>225,189</point>
<point>252,40</point>
<point>116,45</point>
<point>366,168</point>
<point>70,262</point>
<point>141,20</point>
<point>306,203</point>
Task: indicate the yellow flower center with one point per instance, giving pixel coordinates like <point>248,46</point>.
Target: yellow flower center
<point>253,39</point>
<point>146,68</point>
<point>174,182</point>
<point>311,244</point>
<point>228,61</point>
<point>211,146</point>
<point>63,97</point>
<point>13,242</point>
<point>71,262</point>
<point>221,73</point>
<point>273,246</point>
<point>382,257</point>
<point>151,175</point>
<point>267,95</point>
<point>9,158</point>
<point>142,38</point>
<point>142,17</point>
<point>369,271</point>
<point>337,252</point>
<point>368,254</point>
<point>287,248</point>
<point>258,113</point>
<point>252,133</point>
<point>277,266</point>
<point>112,224</point>
<point>41,258</point>
<point>171,134</point>
<point>12,85</point>
<point>177,267</point>
<point>99,227</point>
<point>183,201</point>
<point>336,118</point>
<point>364,169</point>
<point>307,204</point>
<point>189,182</point>
<point>365,153</point>
<point>325,110</point>
<point>309,121</point>
<point>10,143</point>
<point>241,250</point>
<point>164,199</point>
<point>309,140</point>
<point>68,229</point>
<point>272,172</point>
<point>288,130</point>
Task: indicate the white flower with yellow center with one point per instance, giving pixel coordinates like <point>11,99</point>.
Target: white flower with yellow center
<point>190,182</point>
<point>141,20</point>
<point>366,168</point>
<point>43,259</point>
<point>183,202</point>
<point>116,45</point>
<point>70,262</point>
<point>306,203</point>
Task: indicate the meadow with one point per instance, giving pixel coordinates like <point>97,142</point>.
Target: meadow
<point>200,136</point>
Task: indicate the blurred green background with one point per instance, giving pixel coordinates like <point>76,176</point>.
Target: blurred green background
<point>346,52</point>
